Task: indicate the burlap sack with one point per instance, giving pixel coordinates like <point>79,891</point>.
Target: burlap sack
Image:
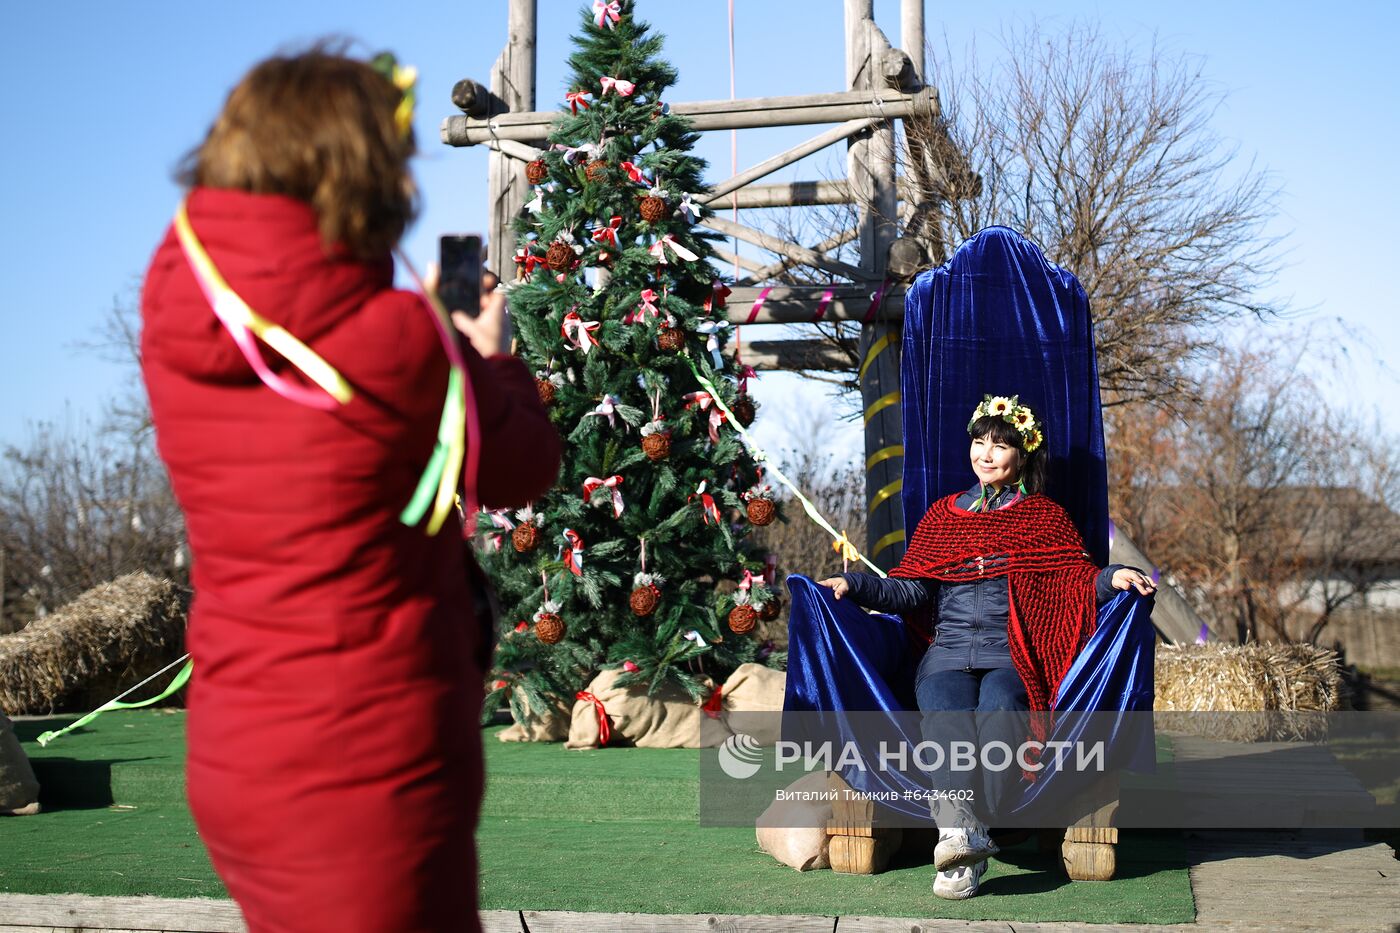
<point>753,688</point>
<point>551,726</point>
<point>19,791</point>
<point>670,719</point>
<point>794,831</point>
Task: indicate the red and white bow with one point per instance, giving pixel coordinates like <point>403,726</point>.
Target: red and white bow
<point>577,99</point>
<point>592,484</point>
<point>502,523</point>
<point>606,14</point>
<point>579,332</point>
<point>529,260</point>
<point>623,88</point>
<point>646,306</point>
<point>634,173</point>
<point>707,503</point>
<point>608,235</point>
<point>572,552</point>
<point>718,293</point>
<point>749,580</point>
<point>658,250</point>
<point>607,408</point>
<point>705,400</point>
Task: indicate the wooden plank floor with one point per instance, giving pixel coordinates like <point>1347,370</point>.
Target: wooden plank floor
<point>1244,882</point>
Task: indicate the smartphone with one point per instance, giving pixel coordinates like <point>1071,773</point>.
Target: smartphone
<point>459,283</point>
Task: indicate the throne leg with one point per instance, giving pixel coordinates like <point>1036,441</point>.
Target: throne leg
<point>857,845</point>
<point>1089,850</point>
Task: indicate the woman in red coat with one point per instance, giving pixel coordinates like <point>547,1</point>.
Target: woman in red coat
<point>334,763</point>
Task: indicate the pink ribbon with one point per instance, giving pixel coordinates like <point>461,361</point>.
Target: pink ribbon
<point>635,173</point>
<point>645,307</point>
<point>746,372</point>
<point>705,400</point>
<point>577,98</point>
<point>503,523</point>
<point>592,484</point>
<point>707,504</point>
<point>875,300</point>
<point>749,580</point>
<point>658,250</point>
<point>606,14</point>
<point>579,332</point>
<point>608,234</point>
<point>758,304</point>
<point>823,304</point>
<point>623,88</point>
<point>572,552</point>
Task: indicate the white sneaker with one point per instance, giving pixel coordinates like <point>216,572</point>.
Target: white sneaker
<point>960,847</point>
<point>959,883</point>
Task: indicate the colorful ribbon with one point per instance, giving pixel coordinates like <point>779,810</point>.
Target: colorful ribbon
<point>719,293</point>
<point>243,323</point>
<point>712,330</point>
<point>579,332</point>
<point>604,726</point>
<point>606,14</point>
<point>572,553</point>
<point>758,304</point>
<point>759,455</point>
<point>705,400</point>
<point>502,523</point>
<point>523,257</point>
<point>576,99</point>
<point>592,484</point>
<point>658,250</point>
<point>608,235</point>
<point>707,503</point>
<point>822,304</point>
<point>746,373</point>
<point>180,680</point>
<point>622,87</point>
<point>876,298</point>
<point>646,305</point>
<point>715,704</point>
<point>607,408</point>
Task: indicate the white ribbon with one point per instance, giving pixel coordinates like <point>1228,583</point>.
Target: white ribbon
<point>712,330</point>
<point>689,209</point>
<point>658,250</point>
<point>593,483</point>
<point>607,408</point>
<point>579,332</point>
<point>624,88</point>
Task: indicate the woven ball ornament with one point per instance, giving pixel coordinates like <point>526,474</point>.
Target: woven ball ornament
<point>559,257</point>
<point>525,538</point>
<point>657,446</point>
<point>742,619</point>
<point>549,628</point>
<point>643,600</point>
<point>546,390</point>
<point>771,609</point>
<point>761,511</point>
<point>744,409</point>
<point>536,172</point>
<point>596,171</point>
<point>670,338</point>
<point>654,209</point>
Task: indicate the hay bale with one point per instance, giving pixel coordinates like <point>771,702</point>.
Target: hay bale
<point>95,647</point>
<point>1252,692</point>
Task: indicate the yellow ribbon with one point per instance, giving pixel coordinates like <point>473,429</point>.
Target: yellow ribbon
<point>880,404</point>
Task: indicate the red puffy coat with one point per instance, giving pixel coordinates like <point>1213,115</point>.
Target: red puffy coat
<point>334,762</point>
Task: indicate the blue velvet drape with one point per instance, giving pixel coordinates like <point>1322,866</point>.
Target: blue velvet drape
<point>997,319</point>
<point>1000,319</point>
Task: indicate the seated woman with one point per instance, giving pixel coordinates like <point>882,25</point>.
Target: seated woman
<point>1015,597</point>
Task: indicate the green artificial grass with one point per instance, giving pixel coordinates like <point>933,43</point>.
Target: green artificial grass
<point>605,830</point>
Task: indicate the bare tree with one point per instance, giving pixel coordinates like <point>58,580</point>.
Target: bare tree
<point>1105,157</point>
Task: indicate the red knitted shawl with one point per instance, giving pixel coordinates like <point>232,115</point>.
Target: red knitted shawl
<point>1050,579</point>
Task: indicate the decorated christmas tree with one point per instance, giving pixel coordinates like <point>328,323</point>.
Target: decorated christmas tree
<point>631,561</point>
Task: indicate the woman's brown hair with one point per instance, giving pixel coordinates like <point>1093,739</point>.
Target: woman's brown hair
<point>319,127</point>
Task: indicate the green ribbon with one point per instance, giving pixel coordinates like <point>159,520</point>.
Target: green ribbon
<point>180,680</point>
<point>769,466</point>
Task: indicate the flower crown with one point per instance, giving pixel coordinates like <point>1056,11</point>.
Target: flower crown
<point>1013,413</point>
<point>406,80</point>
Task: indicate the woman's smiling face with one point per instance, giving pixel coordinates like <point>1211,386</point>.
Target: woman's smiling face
<point>994,462</point>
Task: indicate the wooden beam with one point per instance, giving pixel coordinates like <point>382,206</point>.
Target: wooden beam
<point>799,194</point>
<point>795,356</point>
<point>767,272</point>
<point>513,83</point>
<point>783,159</point>
<point>797,304</point>
<point>515,150</point>
<point>799,254</point>
<point>743,262</point>
<point>800,110</point>
<point>911,34</point>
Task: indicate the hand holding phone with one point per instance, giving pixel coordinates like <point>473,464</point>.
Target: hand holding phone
<point>459,281</point>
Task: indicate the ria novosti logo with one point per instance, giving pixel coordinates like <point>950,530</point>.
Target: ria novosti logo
<point>740,756</point>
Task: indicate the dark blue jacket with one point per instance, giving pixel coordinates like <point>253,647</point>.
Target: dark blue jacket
<point>971,617</point>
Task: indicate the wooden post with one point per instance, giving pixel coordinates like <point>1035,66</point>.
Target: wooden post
<point>872,176</point>
<point>513,81</point>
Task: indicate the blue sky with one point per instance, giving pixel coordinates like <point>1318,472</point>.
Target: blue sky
<point>103,99</point>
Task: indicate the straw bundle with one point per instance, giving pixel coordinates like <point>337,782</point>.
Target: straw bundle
<point>1248,692</point>
<point>95,647</point>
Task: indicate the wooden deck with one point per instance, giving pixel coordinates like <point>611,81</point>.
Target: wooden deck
<point>1246,882</point>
